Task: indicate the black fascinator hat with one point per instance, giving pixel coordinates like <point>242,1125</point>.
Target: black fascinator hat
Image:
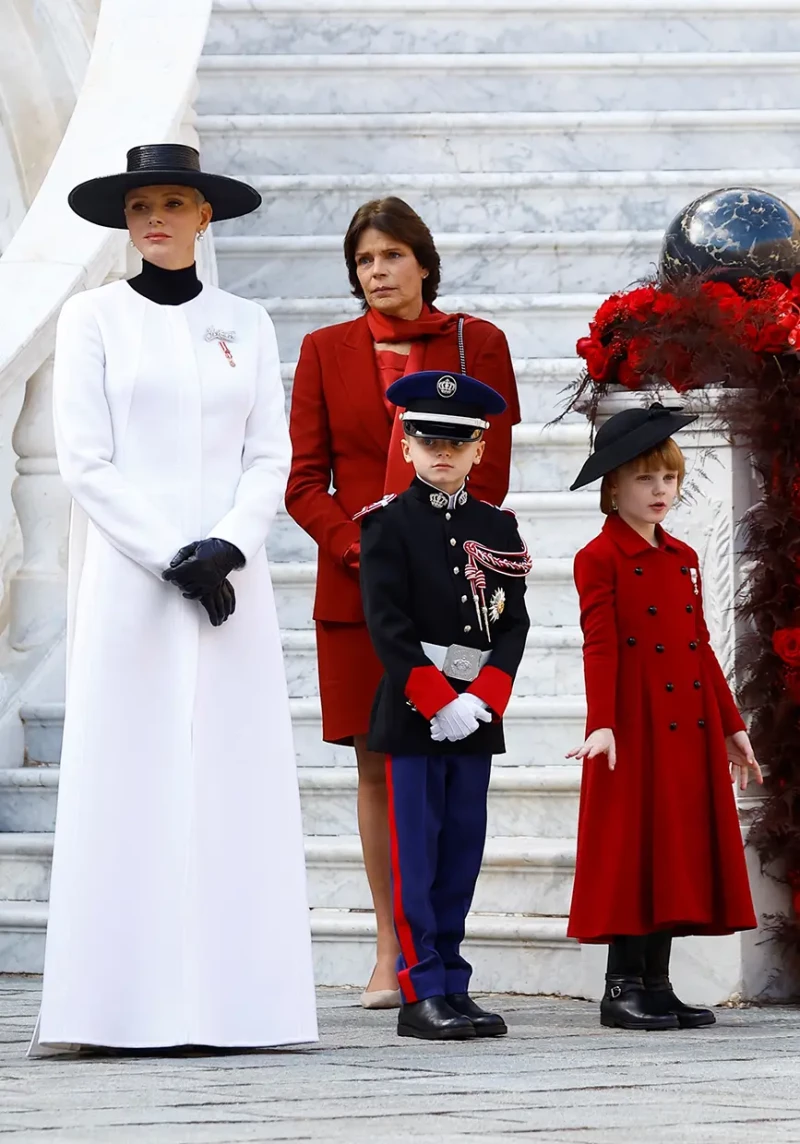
<point>627,435</point>
<point>102,200</point>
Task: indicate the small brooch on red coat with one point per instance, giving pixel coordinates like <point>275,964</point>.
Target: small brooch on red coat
<point>223,337</point>
<point>695,577</point>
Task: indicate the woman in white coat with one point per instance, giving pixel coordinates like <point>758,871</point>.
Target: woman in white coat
<point>178,909</point>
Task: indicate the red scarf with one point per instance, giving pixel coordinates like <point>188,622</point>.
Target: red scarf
<point>430,324</point>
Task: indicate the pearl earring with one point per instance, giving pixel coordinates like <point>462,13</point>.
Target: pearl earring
<point>201,235</point>
<point>614,506</point>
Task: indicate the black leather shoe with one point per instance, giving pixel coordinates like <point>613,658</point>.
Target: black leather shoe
<point>486,1024</point>
<point>433,1020</point>
<point>623,1007</point>
<point>659,998</point>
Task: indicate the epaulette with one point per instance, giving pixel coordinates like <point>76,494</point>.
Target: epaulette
<point>500,508</point>
<point>382,503</point>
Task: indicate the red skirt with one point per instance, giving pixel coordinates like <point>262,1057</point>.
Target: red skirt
<point>349,674</point>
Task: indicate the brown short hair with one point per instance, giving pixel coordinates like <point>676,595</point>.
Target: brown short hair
<point>667,455</point>
<point>400,221</point>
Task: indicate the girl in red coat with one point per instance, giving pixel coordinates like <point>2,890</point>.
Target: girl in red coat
<point>659,843</point>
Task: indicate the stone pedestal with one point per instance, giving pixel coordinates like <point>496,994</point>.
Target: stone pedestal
<point>718,490</point>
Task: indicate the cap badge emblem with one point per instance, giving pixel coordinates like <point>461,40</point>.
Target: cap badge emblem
<point>438,500</point>
<point>446,386</point>
<point>497,604</point>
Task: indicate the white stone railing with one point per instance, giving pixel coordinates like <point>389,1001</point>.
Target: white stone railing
<point>138,88</point>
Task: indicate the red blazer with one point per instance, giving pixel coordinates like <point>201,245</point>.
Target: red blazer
<point>341,429</point>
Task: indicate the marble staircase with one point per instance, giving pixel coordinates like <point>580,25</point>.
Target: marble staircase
<point>547,143</point>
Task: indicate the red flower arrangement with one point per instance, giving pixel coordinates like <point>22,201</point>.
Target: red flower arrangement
<point>684,333</point>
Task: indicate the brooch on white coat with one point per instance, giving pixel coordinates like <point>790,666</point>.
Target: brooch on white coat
<point>223,337</point>
<point>694,575</point>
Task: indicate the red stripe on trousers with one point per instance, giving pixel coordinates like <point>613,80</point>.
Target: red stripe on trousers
<point>400,921</point>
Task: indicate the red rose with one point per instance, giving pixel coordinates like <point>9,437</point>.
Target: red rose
<point>599,358</point>
<point>786,644</point>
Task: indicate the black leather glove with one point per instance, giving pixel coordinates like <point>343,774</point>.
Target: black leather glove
<point>200,567</point>
<point>220,604</point>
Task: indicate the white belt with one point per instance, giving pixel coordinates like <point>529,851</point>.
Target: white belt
<point>457,661</point>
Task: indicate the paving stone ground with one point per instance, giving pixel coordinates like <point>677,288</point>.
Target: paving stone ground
<point>558,1078</point>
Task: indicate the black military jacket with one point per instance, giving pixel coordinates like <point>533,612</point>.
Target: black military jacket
<point>415,591</point>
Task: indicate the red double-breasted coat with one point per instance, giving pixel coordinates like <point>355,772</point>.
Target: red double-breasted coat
<point>341,430</point>
<point>659,840</point>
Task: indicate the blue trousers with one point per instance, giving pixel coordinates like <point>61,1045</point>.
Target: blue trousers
<point>437,826</point>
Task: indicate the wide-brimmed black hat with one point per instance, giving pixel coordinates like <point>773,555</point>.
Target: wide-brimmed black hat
<point>102,200</point>
<point>627,435</point>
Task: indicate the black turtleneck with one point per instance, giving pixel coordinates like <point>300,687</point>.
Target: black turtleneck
<point>166,287</point>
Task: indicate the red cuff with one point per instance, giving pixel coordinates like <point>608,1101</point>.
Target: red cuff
<point>493,686</point>
<point>428,690</point>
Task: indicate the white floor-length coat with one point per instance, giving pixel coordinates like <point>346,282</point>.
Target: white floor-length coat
<point>178,907</point>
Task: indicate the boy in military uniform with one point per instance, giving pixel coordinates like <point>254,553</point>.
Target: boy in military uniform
<point>443,584</point>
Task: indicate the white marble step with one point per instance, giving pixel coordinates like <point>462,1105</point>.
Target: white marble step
<point>512,954</point>
<point>548,457</point>
<point>497,82</point>
<point>543,385</point>
<point>370,143</point>
<point>524,802</point>
<point>536,325</point>
<point>484,201</point>
<point>552,523</point>
<point>569,261</point>
<point>25,861</point>
<point>551,665</point>
<point>518,876</point>
<point>539,731</point>
<point>264,26</point>
<point>551,597</point>
<point>540,802</point>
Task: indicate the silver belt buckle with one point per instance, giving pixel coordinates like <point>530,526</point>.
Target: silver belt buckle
<point>462,663</point>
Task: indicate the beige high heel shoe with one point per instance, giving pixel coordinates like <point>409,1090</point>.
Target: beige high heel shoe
<point>381,999</point>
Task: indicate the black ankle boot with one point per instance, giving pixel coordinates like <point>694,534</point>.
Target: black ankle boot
<point>433,1020</point>
<point>486,1024</point>
<point>659,998</point>
<point>622,1007</point>
<point>659,995</point>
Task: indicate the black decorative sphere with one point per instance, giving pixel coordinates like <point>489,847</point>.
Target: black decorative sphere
<point>736,232</point>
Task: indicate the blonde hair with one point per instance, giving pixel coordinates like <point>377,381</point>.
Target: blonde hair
<point>667,455</point>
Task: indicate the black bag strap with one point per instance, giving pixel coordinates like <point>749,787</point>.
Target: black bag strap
<point>462,354</point>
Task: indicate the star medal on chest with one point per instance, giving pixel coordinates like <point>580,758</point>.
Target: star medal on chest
<point>223,337</point>
<point>479,557</point>
<point>694,578</point>
<point>497,604</point>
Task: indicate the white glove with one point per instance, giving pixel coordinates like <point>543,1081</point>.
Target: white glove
<point>459,718</point>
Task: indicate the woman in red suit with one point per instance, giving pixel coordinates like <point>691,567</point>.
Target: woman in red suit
<point>659,843</point>
<point>346,454</point>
